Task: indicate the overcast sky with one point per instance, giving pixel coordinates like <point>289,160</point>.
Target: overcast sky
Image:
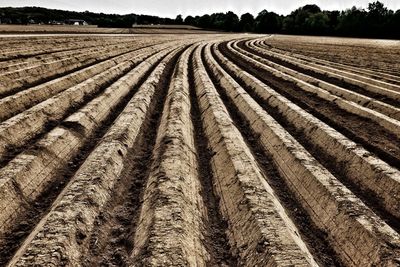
<point>171,8</point>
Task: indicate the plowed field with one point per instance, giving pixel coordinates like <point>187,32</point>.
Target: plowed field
<point>199,150</point>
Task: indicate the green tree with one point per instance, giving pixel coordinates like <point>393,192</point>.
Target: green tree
<point>268,22</point>
<point>246,23</point>
<point>352,22</point>
<point>312,9</point>
<point>178,19</point>
<point>333,21</point>
<point>301,17</point>
<point>218,21</point>
<point>189,20</point>
<point>377,9</point>
<point>231,22</point>
<point>378,18</point>
<point>317,23</point>
<point>205,21</point>
<point>288,24</point>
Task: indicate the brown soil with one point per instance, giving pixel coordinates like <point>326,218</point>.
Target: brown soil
<point>40,207</point>
<point>332,80</point>
<point>315,239</point>
<point>361,130</point>
<point>381,56</point>
<point>230,205</point>
<point>112,243</point>
<point>52,77</point>
<point>216,239</point>
<point>15,150</point>
<point>13,240</point>
<point>336,168</point>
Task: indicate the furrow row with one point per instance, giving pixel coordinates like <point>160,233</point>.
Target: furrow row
<point>22,128</point>
<point>15,81</point>
<point>337,66</point>
<point>246,200</point>
<point>337,86</point>
<point>375,56</point>
<point>40,49</point>
<point>328,202</point>
<point>367,83</point>
<point>201,150</point>
<point>348,100</point>
<point>170,225</point>
<point>112,238</point>
<point>361,167</point>
<point>16,103</point>
<point>13,65</point>
<point>27,176</point>
<point>378,133</point>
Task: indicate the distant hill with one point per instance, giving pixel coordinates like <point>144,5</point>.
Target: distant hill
<point>39,15</point>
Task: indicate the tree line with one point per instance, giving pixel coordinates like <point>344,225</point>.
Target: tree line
<point>376,21</point>
<point>39,15</point>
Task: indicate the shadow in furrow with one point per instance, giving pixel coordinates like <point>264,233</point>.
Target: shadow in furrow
<point>13,151</point>
<point>315,239</point>
<point>361,130</point>
<point>338,169</point>
<point>115,227</point>
<point>325,78</point>
<point>41,206</point>
<point>91,62</point>
<point>216,240</point>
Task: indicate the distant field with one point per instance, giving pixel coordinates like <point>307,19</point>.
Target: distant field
<point>139,29</point>
<point>199,150</point>
<point>380,55</point>
<point>187,27</point>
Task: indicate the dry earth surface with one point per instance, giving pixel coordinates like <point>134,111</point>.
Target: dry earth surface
<point>64,29</point>
<point>199,150</point>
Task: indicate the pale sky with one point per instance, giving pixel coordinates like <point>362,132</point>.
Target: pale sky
<point>171,8</point>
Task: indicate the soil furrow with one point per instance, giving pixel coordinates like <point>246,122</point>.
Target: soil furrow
<point>328,202</point>
<point>20,64</point>
<point>42,78</point>
<point>358,73</point>
<point>361,130</point>
<point>14,149</point>
<point>326,78</point>
<point>381,113</point>
<point>31,122</point>
<point>170,227</point>
<point>37,209</point>
<point>216,239</point>
<point>30,192</point>
<point>112,243</point>
<point>105,128</point>
<point>38,52</point>
<point>199,150</point>
<point>339,169</point>
<point>21,101</point>
<point>316,239</point>
<point>246,200</point>
<point>382,59</point>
